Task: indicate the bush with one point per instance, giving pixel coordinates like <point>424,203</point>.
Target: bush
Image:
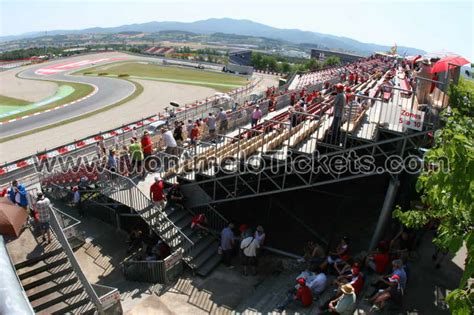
<point>123,75</point>
<point>103,73</point>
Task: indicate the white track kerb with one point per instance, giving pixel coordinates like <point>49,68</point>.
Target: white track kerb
<point>96,89</point>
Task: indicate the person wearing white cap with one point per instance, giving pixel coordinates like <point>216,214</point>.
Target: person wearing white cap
<point>256,116</point>
<point>156,193</point>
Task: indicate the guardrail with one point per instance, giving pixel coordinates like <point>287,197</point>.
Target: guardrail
<point>56,227</point>
<point>154,271</point>
<point>124,190</point>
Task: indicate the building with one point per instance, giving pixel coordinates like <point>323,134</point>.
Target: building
<point>241,57</point>
<point>322,54</point>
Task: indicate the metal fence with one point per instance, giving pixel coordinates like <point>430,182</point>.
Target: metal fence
<point>135,268</point>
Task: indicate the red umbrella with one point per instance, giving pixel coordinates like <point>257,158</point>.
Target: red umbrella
<point>12,217</point>
<point>443,64</point>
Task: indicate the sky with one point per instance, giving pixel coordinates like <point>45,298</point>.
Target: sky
<point>431,25</point>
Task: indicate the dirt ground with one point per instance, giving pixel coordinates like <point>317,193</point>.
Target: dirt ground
<point>29,90</point>
<point>155,97</point>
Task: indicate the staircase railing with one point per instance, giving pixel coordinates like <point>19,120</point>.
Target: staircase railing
<point>215,220</point>
<point>56,227</point>
<point>125,191</point>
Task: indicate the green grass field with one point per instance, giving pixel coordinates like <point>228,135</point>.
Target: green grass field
<point>80,90</point>
<point>219,81</point>
<point>10,101</point>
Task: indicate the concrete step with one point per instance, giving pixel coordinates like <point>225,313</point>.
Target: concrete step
<point>90,309</point>
<point>34,261</point>
<point>209,252</point>
<point>42,269</point>
<point>52,289</point>
<point>199,247</point>
<point>47,279</point>
<point>209,265</point>
<point>58,300</point>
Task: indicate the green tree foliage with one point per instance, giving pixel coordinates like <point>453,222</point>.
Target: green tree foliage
<point>30,52</point>
<point>285,67</point>
<point>332,61</point>
<point>312,65</point>
<point>448,192</point>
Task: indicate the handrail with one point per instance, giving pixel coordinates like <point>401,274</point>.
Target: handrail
<point>139,193</point>
<point>72,259</point>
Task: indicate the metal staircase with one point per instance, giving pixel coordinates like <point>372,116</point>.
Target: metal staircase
<point>54,282</point>
<point>172,224</point>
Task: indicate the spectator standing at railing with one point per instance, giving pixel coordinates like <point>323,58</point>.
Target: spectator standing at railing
<point>189,128</point>
<point>147,147</point>
<point>339,105</point>
<point>256,116</point>
<point>17,194</point>
<point>43,208</point>
<point>134,133</point>
<point>223,121</point>
<point>116,141</point>
<point>76,201</point>
<point>178,132</point>
<point>112,161</point>
<point>136,155</point>
<point>171,146</point>
<point>195,132</point>
<point>211,125</point>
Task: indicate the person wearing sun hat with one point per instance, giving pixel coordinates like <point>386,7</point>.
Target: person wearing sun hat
<point>344,304</point>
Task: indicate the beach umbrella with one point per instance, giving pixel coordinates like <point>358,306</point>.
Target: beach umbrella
<point>443,64</point>
<point>12,217</point>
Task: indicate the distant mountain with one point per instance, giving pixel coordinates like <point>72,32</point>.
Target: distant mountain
<point>239,27</point>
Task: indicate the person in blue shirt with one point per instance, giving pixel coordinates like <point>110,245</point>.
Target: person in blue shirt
<point>227,244</point>
<point>112,161</point>
<point>17,194</point>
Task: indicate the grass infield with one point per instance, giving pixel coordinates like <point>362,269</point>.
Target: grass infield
<point>139,70</point>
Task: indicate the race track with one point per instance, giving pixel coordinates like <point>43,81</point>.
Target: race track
<point>108,91</point>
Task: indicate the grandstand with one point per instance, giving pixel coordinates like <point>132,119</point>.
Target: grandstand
<point>251,162</point>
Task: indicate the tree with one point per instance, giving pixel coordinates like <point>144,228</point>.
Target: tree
<point>285,67</point>
<point>448,192</point>
<point>312,64</point>
<point>332,61</point>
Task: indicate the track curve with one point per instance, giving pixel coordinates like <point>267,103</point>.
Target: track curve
<point>107,91</point>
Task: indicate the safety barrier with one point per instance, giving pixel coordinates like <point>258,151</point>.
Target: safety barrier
<point>135,268</point>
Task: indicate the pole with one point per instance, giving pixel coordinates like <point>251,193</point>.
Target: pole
<point>385,213</point>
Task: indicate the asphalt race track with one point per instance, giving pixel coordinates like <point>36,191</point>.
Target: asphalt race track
<point>109,91</point>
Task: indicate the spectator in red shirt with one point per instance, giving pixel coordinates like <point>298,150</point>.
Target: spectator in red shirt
<point>380,260</point>
<point>194,134</point>
<point>147,148</point>
<point>147,144</point>
<point>199,223</point>
<point>302,296</point>
<point>156,192</point>
<point>292,98</point>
